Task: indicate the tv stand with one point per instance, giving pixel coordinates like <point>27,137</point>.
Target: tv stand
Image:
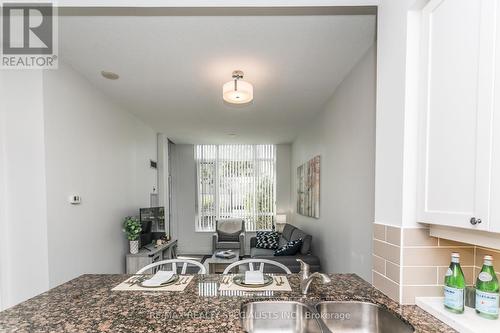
<point>149,254</point>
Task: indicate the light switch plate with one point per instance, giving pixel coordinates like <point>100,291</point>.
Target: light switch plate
<point>74,199</point>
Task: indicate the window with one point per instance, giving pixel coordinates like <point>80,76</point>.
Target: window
<point>236,181</point>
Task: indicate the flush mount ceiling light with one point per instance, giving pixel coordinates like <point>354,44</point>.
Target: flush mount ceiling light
<point>237,91</point>
<point>110,75</point>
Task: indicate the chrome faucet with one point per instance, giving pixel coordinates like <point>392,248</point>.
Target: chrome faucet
<point>306,277</point>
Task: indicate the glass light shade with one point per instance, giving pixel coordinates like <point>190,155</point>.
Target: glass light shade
<point>280,222</point>
<point>280,218</point>
<point>239,92</point>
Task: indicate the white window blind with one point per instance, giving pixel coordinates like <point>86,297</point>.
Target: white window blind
<point>236,181</point>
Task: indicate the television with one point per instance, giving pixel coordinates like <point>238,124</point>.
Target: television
<point>153,224</point>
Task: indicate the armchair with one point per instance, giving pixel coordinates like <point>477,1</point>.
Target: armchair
<point>229,234</point>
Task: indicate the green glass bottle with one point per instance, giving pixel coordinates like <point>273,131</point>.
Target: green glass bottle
<point>487,291</point>
<point>454,286</point>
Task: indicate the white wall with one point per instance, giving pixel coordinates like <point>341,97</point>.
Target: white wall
<point>344,136</point>
<point>183,203</point>
<point>183,199</point>
<point>96,150</point>
<point>395,183</point>
<point>23,217</point>
<point>283,174</point>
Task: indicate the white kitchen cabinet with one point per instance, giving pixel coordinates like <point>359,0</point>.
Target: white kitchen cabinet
<point>495,165</point>
<point>456,102</point>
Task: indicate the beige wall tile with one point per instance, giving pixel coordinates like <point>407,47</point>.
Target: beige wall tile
<point>379,232</point>
<point>425,260</point>
<point>418,237</point>
<point>420,275</point>
<point>386,286</point>
<point>393,235</point>
<point>392,271</point>
<point>378,264</point>
<point>410,292</point>
<point>487,249</point>
<point>387,251</point>
<point>476,272</point>
<point>481,252</point>
<point>427,256</point>
<point>468,274</point>
<point>447,242</point>
<point>470,279</point>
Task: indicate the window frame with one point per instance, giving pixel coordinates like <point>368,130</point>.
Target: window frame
<point>257,159</point>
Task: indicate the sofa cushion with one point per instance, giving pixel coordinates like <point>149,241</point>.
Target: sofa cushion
<point>256,252</point>
<point>306,240</point>
<point>229,230</point>
<point>288,261</point>
<point>282,241</point>
<point>267,240</point>
<point>291,261</point>
<point>228,245</point>
<point>289,249</point>
<point>228,237</point>
<point>287,232</point>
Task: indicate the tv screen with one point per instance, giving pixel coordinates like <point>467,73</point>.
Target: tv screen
<point>153,224</point>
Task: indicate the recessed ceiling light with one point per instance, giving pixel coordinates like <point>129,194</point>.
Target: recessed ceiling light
<point>110,75</point>
<point>237,91</point>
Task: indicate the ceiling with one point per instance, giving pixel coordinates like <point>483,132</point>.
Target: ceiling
<point>172,66</point>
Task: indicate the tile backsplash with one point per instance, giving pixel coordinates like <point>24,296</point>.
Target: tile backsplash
<point>386,270</point>
<point>408,262</point>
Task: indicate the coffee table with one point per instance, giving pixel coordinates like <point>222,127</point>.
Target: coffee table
<point>217,265</point>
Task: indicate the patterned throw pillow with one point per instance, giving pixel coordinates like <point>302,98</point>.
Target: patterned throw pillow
<point>267,240</point>
<point>289,249</point>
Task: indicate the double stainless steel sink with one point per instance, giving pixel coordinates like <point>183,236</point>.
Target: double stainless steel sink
<point>323,317</point>
<point>279,317</point>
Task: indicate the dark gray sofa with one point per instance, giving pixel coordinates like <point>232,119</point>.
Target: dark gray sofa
<point>289,233</point>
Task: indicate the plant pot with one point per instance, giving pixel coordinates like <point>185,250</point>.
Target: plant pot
<point>134,247</point>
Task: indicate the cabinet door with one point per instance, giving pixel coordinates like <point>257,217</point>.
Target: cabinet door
<point>456,110</point>
<point>495,169</point>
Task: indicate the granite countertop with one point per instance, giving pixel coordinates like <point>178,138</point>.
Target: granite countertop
<point>87,304</point>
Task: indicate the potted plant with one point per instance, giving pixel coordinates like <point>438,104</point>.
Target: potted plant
<point>132,227</point>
